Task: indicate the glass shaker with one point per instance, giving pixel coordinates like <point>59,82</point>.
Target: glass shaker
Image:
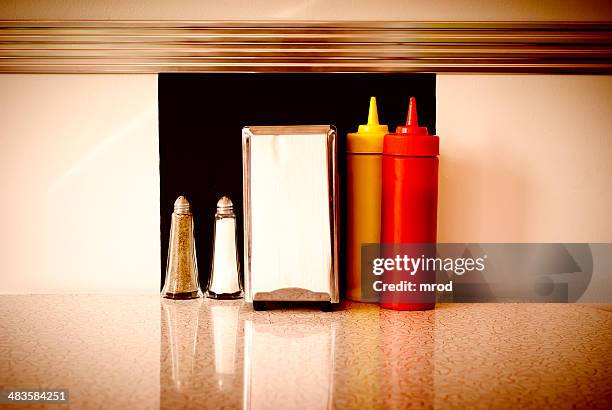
<point>224,281</point>
<point>182,268</point>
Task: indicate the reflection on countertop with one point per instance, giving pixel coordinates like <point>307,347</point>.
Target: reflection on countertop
<point>460,355</point>
<point>213,354</point>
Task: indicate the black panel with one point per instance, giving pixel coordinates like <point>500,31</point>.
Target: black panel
<point>201,117</point>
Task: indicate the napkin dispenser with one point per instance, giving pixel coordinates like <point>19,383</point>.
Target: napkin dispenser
<point>290,184</point>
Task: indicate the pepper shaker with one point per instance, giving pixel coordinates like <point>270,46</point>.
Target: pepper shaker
<point>182,267</point>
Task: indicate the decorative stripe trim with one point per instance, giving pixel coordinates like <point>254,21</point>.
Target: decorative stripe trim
<point>196,46</point>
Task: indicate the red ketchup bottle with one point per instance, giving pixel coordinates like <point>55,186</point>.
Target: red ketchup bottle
<point>410,207</point>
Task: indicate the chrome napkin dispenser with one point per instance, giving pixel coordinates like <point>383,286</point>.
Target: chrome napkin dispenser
<point>290,184</point>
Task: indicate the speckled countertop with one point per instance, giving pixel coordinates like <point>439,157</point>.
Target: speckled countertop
<point>143,352</point>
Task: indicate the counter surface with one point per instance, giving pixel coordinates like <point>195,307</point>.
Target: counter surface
<point>143,352</point>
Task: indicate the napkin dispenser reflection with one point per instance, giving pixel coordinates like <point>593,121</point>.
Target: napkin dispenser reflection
<point>290,184</point>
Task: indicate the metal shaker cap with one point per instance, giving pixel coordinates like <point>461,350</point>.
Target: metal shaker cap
<point>225,206</point>
<point>181,205</point>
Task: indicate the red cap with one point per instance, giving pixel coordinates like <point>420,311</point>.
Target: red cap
<point>410,140</point>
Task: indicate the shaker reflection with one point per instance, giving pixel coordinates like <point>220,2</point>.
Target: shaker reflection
<point>288,363</point>
<point>200,354</point>
<point>225,320</point>
<point>179,332</point>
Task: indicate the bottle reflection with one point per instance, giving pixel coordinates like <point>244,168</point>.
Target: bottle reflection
<point>407,350</point>
<point>288,363</point>
<point>225,324</point>
<point>180,320</point>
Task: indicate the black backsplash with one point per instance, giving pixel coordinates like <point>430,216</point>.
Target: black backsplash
<point>201,117</point>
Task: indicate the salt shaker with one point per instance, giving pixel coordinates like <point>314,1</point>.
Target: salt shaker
<point>224,281</point>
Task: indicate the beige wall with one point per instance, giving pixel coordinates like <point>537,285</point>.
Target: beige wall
<point>525,158</point>
<point>79,184</point>
<point>411,10</point>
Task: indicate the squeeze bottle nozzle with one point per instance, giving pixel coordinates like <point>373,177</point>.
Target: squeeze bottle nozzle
<point>413,119</point>
<point>373,127</point>
<point>373,112</point>
<point>412,122</point>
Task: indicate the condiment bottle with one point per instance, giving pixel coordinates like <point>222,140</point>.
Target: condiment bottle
<point>224,281</point>
<point>364,161</point>
<point>410,205</point>
<point>182,268</point>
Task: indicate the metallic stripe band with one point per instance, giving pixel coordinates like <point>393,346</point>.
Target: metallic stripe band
<point>185,46</point>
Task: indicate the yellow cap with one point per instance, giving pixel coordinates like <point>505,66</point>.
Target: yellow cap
<point>369,137</point>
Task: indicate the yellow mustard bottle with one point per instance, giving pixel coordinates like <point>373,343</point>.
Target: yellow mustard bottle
<point>364,169</point>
